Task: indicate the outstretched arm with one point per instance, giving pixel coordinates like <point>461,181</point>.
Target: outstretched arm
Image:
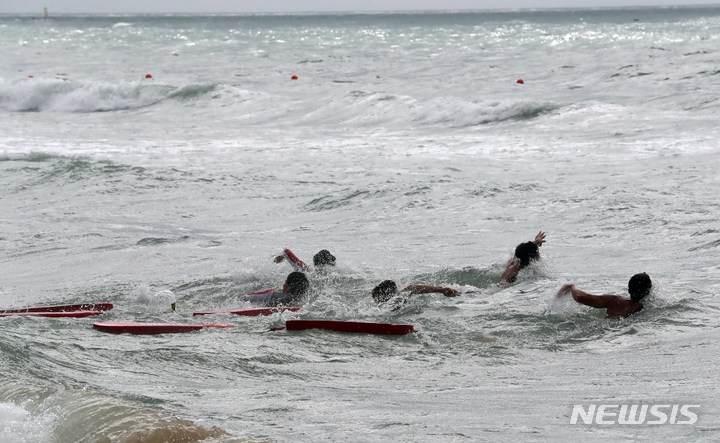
<point>539,239</point>
<point>594,301</point>
<point>431,289</point>
<point>296,263</point>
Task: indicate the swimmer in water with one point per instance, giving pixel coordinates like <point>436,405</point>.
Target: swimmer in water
<point>388,289</point>
<point>525,253</point>
<point>322,261</point>
<point>293,292</point>
<point>639,286</point>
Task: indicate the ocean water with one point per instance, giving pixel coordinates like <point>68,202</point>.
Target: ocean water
<point>407,148</point>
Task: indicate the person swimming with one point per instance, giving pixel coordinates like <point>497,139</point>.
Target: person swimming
<point>639,287</point>
<point>322,261</point>
<point>293,292</point>
<point>388,289</point>
<point>525,253</point>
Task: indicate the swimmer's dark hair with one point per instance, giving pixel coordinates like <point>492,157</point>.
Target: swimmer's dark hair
<point>639,286</point>
<point>525,252</point>
<point>298,283</point>
<point>384,291</point>
<point>324,258</point>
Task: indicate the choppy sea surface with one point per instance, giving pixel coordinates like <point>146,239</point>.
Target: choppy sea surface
<point>407,147</point>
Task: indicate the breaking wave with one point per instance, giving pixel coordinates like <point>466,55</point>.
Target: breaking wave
<point>57,95</point>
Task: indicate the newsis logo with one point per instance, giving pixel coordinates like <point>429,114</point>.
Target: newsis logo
<point>648,414</point>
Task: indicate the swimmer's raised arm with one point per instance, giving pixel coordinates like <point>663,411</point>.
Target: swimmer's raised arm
<point>293,259</point>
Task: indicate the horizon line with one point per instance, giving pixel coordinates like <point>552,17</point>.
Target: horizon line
<point>361,12</point>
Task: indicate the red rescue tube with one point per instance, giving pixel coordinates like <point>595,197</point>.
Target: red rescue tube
<point>62,308</point>
<point>261,291</point>
<point>254,312</point>
<point>72,314</point>
<point>153,328</point>
<point>349,326</point>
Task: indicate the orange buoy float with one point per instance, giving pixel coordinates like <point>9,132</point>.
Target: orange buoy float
<point>520,81</point>
<point>148,75</point>
<point>294,77</point>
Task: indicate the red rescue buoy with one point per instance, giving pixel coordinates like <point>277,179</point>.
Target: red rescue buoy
<point>294,77</point>
<point>148,75</point>
<point>520,81</point>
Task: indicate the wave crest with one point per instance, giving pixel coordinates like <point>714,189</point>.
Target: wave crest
<point>57,95</point>
<point>464,114</point>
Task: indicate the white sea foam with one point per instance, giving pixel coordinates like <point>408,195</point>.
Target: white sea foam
<point>17,425</point>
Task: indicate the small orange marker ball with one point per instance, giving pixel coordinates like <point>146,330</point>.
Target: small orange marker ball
<point>148,75</point>
<point>294,77</point>
<point>520,81</point>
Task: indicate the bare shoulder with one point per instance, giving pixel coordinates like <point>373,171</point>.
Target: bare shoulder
<point>622,307</point>
<point>615,300</point>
